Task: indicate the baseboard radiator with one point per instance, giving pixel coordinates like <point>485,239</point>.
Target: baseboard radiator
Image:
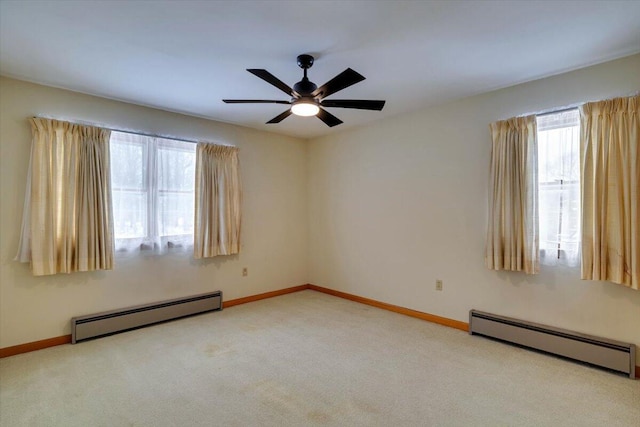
<point>111,322</point>
<point>606,353</point>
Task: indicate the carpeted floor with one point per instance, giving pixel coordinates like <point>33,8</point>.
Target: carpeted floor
<point>307,359</point>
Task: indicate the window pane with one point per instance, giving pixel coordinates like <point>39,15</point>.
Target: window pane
<point>129,184</point>
<point>176,182</point>
<point>128,161</point>
<point>560,216</point>
<point>176,213</point>
<point>129,214</point>
<point>176,166</point>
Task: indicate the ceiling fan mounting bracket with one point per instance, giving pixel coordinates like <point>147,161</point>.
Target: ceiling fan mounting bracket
<point>305,61</point>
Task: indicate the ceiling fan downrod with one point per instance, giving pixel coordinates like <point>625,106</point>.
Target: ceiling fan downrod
<point>305,86</point>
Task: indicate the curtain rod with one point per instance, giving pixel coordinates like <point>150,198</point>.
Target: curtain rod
<point>562,110</point>
<point>82,123</point>
<point>576,106</point>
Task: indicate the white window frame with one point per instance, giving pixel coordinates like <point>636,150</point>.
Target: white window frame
<point>562,254</point>
<point>152,240</point>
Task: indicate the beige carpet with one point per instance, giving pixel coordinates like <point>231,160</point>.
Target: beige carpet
<point>307,359</point>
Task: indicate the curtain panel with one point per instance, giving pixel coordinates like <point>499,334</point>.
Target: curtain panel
<point>218,196</point>
<point>67,223</point>
<point>512,234</point>
<point>610,191</point>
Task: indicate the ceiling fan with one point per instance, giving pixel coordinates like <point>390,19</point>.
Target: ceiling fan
<point>307,99</point>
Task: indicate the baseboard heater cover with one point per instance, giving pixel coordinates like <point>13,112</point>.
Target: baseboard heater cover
<point>615,355</point>
<point>111,322</point>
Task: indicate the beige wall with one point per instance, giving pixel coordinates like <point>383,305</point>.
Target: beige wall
<point>380,212</point>
<point>401,203</point>
<point>274,234</point>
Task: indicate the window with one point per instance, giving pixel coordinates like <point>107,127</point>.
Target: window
<point>152,182</point>
<point>559,187</point>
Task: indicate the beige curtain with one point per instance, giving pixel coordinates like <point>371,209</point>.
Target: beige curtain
<point>609,143</point>
<point>512,235</point>
<point>67,223</point>
<point>218,197</point>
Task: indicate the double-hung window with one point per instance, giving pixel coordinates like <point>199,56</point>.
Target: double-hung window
<point>152,183</point>
<point>559,187</point>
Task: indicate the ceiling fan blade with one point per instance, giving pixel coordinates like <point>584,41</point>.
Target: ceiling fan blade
<point>273,80</point>
<point>280,117</point>
<point>360,104</point>
<point>343,80</point>
<point>328,118</point>
<point>254,101</point>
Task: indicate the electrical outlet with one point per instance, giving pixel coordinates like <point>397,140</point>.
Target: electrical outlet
<point>438,285</point>
<point>245,271</point>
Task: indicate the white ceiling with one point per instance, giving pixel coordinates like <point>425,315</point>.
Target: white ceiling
<point>185,56</point>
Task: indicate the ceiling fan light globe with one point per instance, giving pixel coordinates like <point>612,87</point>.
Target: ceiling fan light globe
<point>305,109</point>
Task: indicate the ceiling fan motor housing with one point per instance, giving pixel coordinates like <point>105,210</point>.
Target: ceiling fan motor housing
<point>305,86</point>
